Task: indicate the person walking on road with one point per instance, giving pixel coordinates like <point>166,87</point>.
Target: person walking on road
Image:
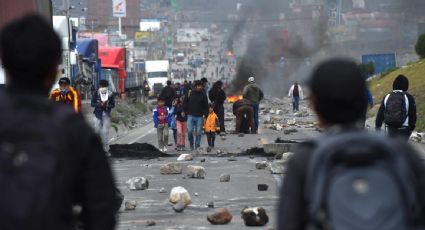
<point>211,126</point>
<point>181,122</point>
<point>217,97</point>
<point>350,178</point>
<point>162,121</point>
<point>243,111</point>
<point>145,90</point>
<point>67,95</point>
<point>196,108</point>
<point>50,158</point>
<point>398,110</point>
<point>297,94</point>
<point>103,102</point>
<point>168,93</point>
<point>255,95</point>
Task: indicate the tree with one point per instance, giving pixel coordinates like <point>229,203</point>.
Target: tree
<point>420,46</point>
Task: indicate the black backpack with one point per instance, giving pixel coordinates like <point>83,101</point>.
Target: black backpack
<point>395,113</point>
<point>30,143</point>
<point>361,181</point>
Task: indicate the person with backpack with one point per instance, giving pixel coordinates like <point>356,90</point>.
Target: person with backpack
<point>255,95</point>
<point>398,110</point>
<point>161,116</point>
<point>146,89</point>
<point>51,159</point>
<point>350,178</point>
<point>217,97</point>
<point>296,93</point>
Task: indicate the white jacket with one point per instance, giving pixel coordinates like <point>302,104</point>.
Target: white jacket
<point>300,89</point>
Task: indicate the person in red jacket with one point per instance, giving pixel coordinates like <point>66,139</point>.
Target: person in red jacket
<point>67,95</point>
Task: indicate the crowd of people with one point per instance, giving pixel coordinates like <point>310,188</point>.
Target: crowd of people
<point>347,178</point>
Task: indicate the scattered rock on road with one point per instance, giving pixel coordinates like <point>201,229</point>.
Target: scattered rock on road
<point>202,160</point>
<point>262,187</point>
<point>194,171</point>
<point>221,216</point>
<point>185,157</point>
<point>232,158</point>
<point>150,223</point>
<point>225,178</point>
<point>130,205</point>
<point>287,156</point>
<point>162,190</point>
<point>180,194</point>
<point>137,183</point>
<point>171,168</point>
<point>278,167</point>
<point>255,216</point>
<point>179,207</point>
<point>261,165</point>
<point>210,204</point>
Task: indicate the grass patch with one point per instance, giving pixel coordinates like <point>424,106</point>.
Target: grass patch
<point>415,72</point>
<point>126,113</point>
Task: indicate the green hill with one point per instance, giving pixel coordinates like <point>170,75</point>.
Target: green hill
<point>380,86</point>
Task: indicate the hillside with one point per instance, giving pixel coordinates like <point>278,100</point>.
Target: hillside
<point>380,86</point>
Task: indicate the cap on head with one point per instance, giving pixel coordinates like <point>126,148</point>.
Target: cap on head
<point>64,81</point>
<point>339,92</point>
<point>251,79</point>
<point>401,83</point>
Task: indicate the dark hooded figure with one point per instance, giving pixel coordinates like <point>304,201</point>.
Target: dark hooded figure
<point>217,97</point>
<point>398,110</point>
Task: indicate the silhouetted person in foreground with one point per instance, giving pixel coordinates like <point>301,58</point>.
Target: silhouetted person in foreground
<point>50,159</point>
<point>398,110</point>
<point>350,178</point>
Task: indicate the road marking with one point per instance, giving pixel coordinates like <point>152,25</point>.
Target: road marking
<point>144,135</point>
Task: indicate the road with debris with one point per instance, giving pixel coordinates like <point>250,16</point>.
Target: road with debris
<point>229,157</point>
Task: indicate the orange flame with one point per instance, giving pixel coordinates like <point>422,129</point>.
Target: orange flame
<point>229,53</point>
<point>234,98</point>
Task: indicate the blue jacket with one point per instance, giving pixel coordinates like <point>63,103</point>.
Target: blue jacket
<point>173,122</point>
<point>156,119</point>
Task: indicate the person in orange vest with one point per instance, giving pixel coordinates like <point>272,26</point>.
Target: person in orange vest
<point>211,126</point>
<point>66,94</point>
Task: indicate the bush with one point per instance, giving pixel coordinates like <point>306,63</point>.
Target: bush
<point>367,69</point>
<point>420,46</point>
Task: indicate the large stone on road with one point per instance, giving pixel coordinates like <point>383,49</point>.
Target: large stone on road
<point>137,183</point>
<point>180,194</point>
<point>224,178</point>
<point>279,166</point>
<point>185,157</point>
<point>255,216</point>
<point>261,165</point>
<point>222,216</point>
<point>130,205</point>
<point>171,168</point>
<point>194,171</point>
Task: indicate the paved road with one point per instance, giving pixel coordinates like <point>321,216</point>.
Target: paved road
<point>240,192</point>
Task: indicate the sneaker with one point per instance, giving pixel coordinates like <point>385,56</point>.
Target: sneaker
<point>164,149</point>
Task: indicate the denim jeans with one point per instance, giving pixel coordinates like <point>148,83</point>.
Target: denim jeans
<point>256,111</point>
<point>101,126</point>
<point>295,103</point>
<point>194,128</point>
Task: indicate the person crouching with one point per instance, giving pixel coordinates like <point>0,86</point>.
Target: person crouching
<point>161,119</point>
<point>211,126</point>
<point>242,109</point>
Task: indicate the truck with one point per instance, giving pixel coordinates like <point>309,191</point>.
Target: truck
<point>67,33</point>
<point>157,75</point>
<point>114,67</point>
<point>89,66</point>
<point>12,9</point>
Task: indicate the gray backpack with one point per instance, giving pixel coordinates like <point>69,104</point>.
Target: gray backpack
<point>361,181</point>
